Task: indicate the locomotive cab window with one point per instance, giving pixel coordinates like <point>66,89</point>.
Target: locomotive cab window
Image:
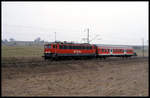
<point>47,46</point>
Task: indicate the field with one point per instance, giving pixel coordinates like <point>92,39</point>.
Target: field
<point>22,51</point>
<point>27,74</point>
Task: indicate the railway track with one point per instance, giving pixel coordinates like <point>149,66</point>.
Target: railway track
<point>43,62</point>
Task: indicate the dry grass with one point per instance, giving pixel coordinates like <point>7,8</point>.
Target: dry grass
<point>22,51</point>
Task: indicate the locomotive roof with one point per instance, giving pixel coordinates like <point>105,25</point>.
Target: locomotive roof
<point>68,43</point>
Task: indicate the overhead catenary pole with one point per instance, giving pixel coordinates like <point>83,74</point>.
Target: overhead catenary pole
<point>88,35</point>
<point>55,36</point>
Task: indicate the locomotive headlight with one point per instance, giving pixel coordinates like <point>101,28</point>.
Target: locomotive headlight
<point>48,52</point>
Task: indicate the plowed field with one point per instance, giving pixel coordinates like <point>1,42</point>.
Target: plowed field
<point>92,77</point>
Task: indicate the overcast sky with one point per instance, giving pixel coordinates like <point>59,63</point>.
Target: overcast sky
<point>123,23</point>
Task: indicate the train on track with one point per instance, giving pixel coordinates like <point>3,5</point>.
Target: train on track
<point>56,50</point>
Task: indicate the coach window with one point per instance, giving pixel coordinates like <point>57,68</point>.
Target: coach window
<point>64,46</point>
<point>83,47</point>
<point>79,47</point>
<point>90,47</point>
<point>102,50</point>
<point>67,47</point>
<point>59,46</point>
<point>86,47</point>
<point>113,50</point>
<point>70,47</point>
<point>74,47</point>
<point>105,50</point>
<point>53,46</point>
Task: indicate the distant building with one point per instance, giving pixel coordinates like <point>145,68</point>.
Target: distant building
<point>23,43</point>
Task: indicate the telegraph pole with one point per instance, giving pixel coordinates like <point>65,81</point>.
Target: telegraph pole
<point>143,46</point>
<point>88,35</point>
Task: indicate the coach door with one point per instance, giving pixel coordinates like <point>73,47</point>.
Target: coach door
<point>111,50</point>
<point>125,52</point>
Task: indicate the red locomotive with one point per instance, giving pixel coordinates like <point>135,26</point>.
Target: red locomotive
<point>60,49</point>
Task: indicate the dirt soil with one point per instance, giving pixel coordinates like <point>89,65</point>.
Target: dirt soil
<point>92,77</point>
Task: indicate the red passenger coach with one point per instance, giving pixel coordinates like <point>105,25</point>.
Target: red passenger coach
<point>59,49</point>
<point>105,51</point>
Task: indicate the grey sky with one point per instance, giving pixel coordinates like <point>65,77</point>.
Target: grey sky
<point>123,23</point>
